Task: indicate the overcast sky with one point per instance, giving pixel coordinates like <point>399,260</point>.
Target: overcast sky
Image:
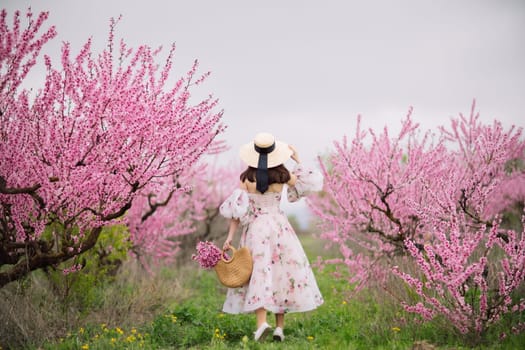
<point>303,70</point>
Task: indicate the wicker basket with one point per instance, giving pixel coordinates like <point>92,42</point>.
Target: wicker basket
<point>235,272</point>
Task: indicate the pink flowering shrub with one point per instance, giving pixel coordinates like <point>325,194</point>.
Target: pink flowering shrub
<point>427,207</point>
<point>208,255</point>
<point>104,130</point>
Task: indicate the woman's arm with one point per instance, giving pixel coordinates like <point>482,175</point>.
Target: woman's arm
<point>294,156</point>
<point>303,181</point>
<point>234,224</point>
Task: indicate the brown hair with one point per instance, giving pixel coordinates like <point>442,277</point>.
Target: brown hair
<point>278,174</point>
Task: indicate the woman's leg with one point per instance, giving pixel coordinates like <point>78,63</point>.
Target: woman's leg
<point>261,316</point>
<point>278,334</point>
<point>263,328</point>
<point>279,320</point>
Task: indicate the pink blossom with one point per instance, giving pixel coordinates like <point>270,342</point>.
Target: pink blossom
<point>72,269</point>
<point>433,201</point>
<point>92,145</point>
<point>208,255</point>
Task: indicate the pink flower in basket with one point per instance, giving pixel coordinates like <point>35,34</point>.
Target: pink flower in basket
<point>208,255</point>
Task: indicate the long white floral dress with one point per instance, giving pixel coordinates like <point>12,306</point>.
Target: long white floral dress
<point>282,280</point>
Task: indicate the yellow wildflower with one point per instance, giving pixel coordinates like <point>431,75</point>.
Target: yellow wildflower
<point>173,318</point>
<point>310,338</point>
<point>81,330</point>
<point>85,347</point>
<point>219,335</point>
<point>113,340</point>
<point>396,329</point>
<point>133,330</point>
<point>344,302</point>
<point>119,330</point>
<point>131,339</point>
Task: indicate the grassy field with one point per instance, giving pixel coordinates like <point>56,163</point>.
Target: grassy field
<point>195,321</point>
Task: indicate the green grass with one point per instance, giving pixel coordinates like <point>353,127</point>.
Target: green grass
<point>340,323</point>
<point>196,322</point>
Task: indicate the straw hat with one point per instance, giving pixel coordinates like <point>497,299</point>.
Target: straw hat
<point>264,142</point>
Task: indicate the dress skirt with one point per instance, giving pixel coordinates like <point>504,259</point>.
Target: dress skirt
<point>282,280</point>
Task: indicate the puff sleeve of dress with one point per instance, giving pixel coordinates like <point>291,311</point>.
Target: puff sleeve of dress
<point>235,206</point>
<point>308,181</point>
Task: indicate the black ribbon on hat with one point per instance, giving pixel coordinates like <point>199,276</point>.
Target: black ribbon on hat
<point>261,175</point>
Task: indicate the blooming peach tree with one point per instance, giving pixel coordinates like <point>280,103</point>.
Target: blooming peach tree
<point>103,131</point>
<point>207,185</point>
<point>427,207</point>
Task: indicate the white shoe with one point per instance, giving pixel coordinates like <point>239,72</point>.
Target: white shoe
<point>278,334</point>
<point>262,332</point>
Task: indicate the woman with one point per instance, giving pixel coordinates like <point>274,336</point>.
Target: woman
<point>282,280</point>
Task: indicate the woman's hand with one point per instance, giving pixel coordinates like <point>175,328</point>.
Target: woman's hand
<point>227,244</point>
<point>294,155</point>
